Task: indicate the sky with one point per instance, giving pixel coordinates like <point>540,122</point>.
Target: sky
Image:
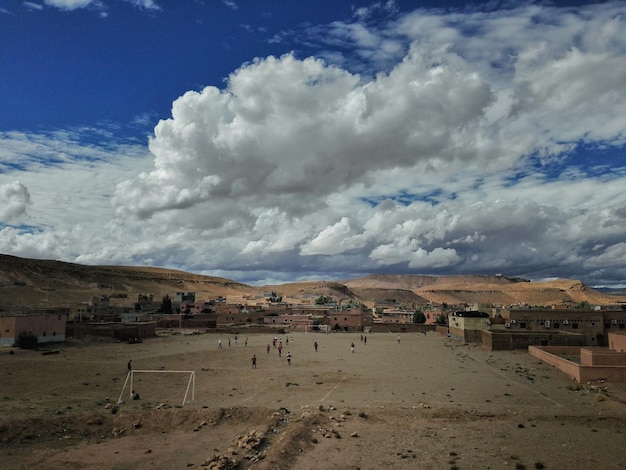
<point>276,141</point>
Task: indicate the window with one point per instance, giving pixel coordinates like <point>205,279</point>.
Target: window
<point>44,333</point>
<point>621,326</point>
<point>574,326</point>
<point>556,325</point>
<point>522,325</point>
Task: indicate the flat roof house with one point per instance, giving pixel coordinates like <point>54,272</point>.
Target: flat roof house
<point>48,327</point>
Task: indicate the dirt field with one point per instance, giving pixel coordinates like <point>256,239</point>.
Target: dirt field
<point>422,402</point>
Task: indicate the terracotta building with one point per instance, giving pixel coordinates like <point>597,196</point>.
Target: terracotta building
<point>48,326</point>
<point>349,320</point>
<point>595,325</point>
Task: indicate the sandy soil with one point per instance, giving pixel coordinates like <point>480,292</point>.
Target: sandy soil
<point>422,402</point>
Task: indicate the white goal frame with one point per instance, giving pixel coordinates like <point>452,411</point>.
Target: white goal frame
<point>191,384</point>
<point>318,328</point>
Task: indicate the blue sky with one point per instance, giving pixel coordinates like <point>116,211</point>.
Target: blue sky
<point>275,141</point>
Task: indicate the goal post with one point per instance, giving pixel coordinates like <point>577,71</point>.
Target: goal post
<point>316,329</point>
<point>191,383</point>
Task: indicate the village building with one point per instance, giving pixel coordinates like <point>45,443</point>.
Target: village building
<point>521,328</point>
<point>295,322</point>
<point>349,320</point>
<point>196,308</point>
<point>594,324</point>
<point>182,298</point>
<point>83,311</point>
<point>467,326</point>
<point>435,315</point>
<point>86,311</point>
<point>392,315</point>
<point>48,325</point>
<point>134,316</point>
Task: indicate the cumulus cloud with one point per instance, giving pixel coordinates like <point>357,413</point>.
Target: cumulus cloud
<point>334,239</point>
<point>300,127</point>
<point>305,153</point>
<point>66,209</point>
<point>452,150</point>
<point>14,199</point>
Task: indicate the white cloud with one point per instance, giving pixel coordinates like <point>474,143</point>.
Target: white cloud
<point>29,5</point>
<point>145,4</point>
<point>71,4</point>
<point>335,239</point>
<point>68,196</point>
<point>230,4</point>
<point>294,147</point>
<point>14,198</point>
<point>452,158</point>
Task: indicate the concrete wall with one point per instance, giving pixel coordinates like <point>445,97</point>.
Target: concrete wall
<point>121,331</point>
<point>509,340</point>
<point>402,328</point>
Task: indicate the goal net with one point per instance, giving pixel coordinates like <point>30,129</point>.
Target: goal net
<point>317,329</point>
<point>153,382</point>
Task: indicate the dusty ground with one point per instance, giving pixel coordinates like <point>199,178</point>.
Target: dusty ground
<point>425,402</point>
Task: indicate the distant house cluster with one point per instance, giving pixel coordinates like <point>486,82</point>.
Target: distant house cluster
<point>596,337</point>
<point>494,328</point>
<point>515,328</point>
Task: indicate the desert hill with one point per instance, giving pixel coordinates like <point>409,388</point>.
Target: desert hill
<point>48,283</point>
<point>497,290</point>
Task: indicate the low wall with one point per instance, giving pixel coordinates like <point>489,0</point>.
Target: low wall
<point>602,357</point>
<point>401,328</point>
<point>120,331</point>
<point>608,373</point>
<point>617,341</point>
<point>549,355</point>
<point>581,373</point>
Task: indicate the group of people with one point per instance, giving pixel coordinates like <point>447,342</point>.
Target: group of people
<point>219,342</point>
<point>277,343</point>
<point>268,351</point>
